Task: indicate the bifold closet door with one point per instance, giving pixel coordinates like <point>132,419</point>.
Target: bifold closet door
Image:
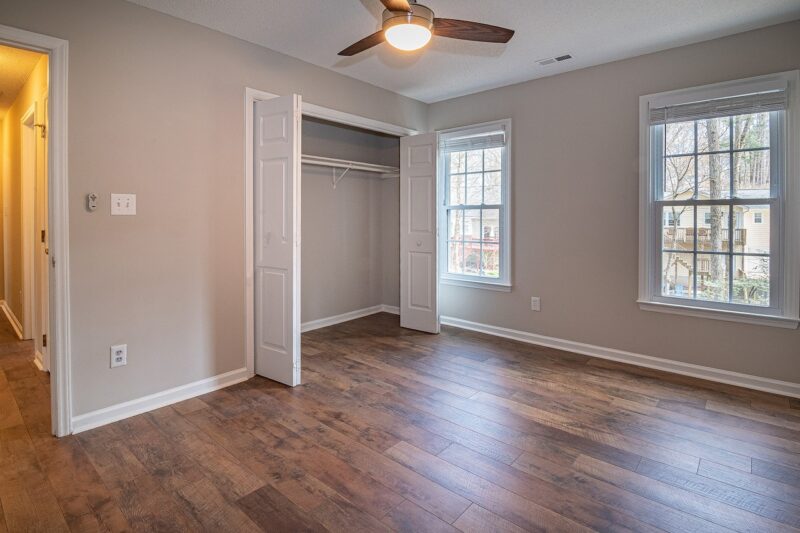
<point>419,304</point>
<point>276,231</point>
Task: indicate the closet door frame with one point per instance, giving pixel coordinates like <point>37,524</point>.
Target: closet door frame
<point>251,96</point>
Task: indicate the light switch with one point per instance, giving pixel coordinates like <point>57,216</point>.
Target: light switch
<point>123,204</point>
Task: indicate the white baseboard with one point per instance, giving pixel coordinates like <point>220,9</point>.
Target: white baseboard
<point>141,405</point>
<point>775,386</point>
<point>12,318</point>
<point>346,317</point>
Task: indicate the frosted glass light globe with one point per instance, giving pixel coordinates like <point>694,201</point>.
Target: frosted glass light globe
<point>408,37</point>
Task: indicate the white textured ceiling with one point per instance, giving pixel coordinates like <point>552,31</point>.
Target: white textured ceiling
<point>593,31</point>
<point>15,67</point>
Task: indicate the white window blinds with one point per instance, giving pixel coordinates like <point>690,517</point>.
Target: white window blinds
<point>762,102</point>
<point>483,141</point>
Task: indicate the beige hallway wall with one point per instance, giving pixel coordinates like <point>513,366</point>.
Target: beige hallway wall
<point>2,221</point>
<point>575,200</point>
<point>156,109</point>
<point>33,93</point>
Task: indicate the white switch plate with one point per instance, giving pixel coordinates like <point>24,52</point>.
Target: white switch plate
<point>536,303</point>
<point>123,204</point>
<point>119,355</point>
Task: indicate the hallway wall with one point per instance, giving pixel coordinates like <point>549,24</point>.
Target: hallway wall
<point>2,221</point>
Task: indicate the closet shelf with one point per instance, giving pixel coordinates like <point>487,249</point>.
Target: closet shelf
<point>383,170</point>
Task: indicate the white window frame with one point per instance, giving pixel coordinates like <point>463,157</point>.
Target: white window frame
<point>784,310</point>
<point>503,282</point>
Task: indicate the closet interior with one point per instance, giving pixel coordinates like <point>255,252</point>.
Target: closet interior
<point>350,216</point>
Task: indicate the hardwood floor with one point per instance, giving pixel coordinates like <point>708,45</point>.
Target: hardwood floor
<point>398,430</point>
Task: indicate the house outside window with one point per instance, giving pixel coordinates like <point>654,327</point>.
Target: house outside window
<point>715,171</point>
<point>474,206</point>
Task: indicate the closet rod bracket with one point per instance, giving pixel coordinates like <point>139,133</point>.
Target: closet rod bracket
<point>336,179</point>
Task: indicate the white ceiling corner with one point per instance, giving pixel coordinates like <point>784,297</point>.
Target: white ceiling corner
<point>593,31</point>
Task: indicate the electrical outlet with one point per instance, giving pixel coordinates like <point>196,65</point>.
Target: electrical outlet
<point>119,355</point>
<point>536,303</point>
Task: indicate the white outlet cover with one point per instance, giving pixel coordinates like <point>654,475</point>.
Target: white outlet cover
<point>123,204</point>
<point>119,355</point>
<point>536,303</point>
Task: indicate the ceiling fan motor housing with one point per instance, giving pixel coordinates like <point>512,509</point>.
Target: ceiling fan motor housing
<point>419,16</point>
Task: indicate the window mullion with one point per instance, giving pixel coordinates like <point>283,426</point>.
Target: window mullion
<point>732,194</point>
<point>696,196</point>
<point>731,240</point>
<point>694,252</point>
<point>722,201</point>
<point>466,177</point>
<point>481,269</point>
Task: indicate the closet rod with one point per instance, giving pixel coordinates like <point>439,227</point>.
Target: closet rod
<point>349,165</point>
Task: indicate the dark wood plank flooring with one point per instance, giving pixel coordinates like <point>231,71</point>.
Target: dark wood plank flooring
<point>398,430</point>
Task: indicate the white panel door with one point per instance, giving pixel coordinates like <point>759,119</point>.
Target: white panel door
<point>42,273</point>
<point>419,304</point>
<point>277,238</point>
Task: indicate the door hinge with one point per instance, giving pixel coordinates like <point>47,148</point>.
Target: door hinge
<point>44,129</point>
<point>44,341</point>
<point>44,235</point>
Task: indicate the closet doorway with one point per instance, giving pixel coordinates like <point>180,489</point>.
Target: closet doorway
<point>278,159</point>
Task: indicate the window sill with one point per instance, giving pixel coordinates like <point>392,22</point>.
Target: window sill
<point>487,285</point>
<point>718,314</point>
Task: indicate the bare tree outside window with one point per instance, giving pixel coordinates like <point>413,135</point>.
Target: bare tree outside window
<point>711,251</point>
<point>474,201</point>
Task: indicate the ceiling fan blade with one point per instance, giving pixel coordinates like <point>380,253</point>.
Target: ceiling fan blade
<point>397,5</point>
<point>471,31</point>
<point>364,44</point>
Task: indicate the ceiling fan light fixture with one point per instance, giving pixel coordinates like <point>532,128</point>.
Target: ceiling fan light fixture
<point>408,31</point>
<point>408,37</point>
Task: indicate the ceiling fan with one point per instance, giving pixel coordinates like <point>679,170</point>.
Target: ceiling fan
<point>408,26</point>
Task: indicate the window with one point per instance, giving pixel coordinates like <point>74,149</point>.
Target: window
<point>474,206</point>
<point>672,218</point>
<point>715,165</point>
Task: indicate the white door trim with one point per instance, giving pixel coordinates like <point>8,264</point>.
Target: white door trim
<point>60,347</point>
<point>251,96</point>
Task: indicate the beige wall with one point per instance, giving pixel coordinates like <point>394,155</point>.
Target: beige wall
<point>390,241</point>
<point>156,109</point>
<point>345,229</point>
<point>33,93</point>
<point>575,200</point>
